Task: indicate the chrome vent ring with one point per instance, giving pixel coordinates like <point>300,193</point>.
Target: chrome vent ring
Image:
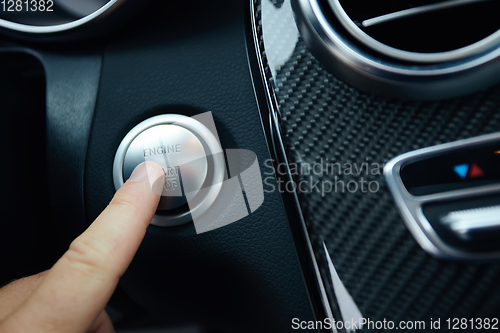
<point>413,49</point>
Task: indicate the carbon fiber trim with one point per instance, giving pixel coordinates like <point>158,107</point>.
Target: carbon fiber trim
<point>383,268</point>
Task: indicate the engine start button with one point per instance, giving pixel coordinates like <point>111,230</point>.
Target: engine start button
<point>181,155</point>
<point>193,164</point>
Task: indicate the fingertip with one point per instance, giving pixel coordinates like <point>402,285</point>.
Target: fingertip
<point>150,171</point>
<point>146,170</point>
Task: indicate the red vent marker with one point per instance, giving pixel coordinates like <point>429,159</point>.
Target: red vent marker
<point>475,171</point>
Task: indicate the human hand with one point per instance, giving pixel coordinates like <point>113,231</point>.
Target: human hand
<point>71,296</point>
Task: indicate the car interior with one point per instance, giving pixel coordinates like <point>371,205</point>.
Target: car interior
<point>329,164</point>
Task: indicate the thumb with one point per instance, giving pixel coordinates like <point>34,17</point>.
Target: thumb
<point>76,289</point>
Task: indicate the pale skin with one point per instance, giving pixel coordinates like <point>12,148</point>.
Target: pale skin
<point>71,296</point>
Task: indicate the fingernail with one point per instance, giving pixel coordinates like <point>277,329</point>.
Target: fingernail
<point>142,171</point>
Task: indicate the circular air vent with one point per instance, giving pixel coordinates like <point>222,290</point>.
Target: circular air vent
<point>419,49</point>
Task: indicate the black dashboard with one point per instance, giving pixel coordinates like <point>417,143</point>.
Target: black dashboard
<point>319,103</point>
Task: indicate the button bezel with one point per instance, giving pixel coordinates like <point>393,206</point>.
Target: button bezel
<point>411,206</point>
<point>215,159</point>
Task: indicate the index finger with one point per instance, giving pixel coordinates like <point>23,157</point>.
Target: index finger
<point>79,285</point>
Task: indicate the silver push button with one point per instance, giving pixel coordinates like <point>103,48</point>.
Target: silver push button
<point>179,152</point>
<point>191,158</point>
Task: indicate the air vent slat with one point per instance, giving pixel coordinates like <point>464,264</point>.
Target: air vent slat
<point>416,11</point>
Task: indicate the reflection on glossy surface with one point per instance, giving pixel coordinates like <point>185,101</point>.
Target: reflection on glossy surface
<point>280,37</point>
<point>279,32</point>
